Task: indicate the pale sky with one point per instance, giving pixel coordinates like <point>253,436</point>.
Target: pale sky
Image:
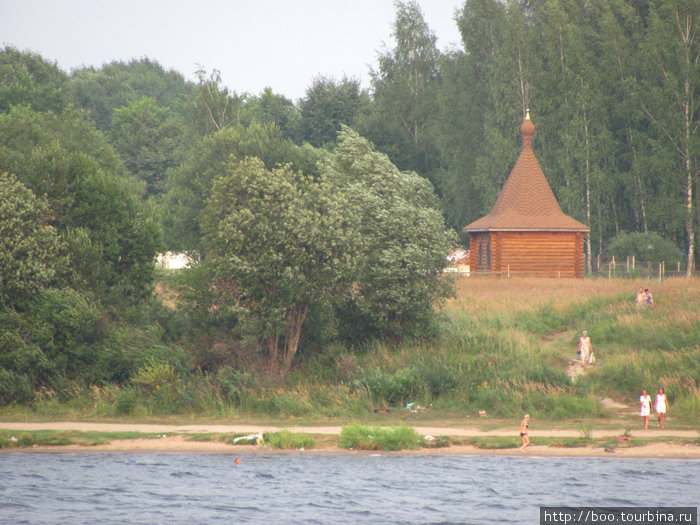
<point>282,44</point>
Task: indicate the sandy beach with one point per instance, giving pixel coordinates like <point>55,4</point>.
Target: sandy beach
<point>173,438</point>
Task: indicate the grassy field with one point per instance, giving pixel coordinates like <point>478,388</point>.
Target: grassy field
<point>506,347</point>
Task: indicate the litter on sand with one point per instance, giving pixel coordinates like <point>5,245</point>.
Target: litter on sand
<point>250,439</point>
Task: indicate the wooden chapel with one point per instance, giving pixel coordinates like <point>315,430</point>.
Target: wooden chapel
<point>526,233</point>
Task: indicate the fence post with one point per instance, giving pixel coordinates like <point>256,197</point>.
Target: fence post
<point>609,269</point>
<point>509,271</point>
<point>633,262</point>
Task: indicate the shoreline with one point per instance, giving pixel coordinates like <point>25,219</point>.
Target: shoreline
<point>179,445</point>
<point>174,439</point>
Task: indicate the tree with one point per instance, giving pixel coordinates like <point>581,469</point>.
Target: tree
<point>271,108</point>
<point>190,184</point>
<point>328,105</point>
<point>30,249</point>
<point>622,29</point>
<point>403,241</point>
<point>489,84</point>
<point>404,94</point>
<point>672,48</point>
<point>27,79</point>
<point>114,85</point>
<point>213,107</point>
<point>148,139</point>
<point>276,242</point>
<point>361,236</point>
<point>645,247</point>
<point>66,160</point>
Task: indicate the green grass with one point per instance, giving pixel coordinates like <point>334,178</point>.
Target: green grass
<point>284,439</point>
<point>28,439</point>
<point>360,437</point>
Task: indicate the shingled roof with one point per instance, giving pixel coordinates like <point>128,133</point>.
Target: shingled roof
<point>526,202</point>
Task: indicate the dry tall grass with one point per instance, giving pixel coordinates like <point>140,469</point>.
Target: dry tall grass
<point>486,296</point>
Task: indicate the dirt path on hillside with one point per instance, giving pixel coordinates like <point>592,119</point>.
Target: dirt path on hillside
<point>561,344</point>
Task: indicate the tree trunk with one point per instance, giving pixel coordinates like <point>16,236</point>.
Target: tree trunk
<point>589,266</point>
<point>689,211</point>
<point>688,28</point>
<point>292,335</point>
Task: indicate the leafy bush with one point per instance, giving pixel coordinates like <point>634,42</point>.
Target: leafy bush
<point>155,375</point>
<point>127,401</point>
<point>439,379</point>
<point>396,388</point>
<point>15,388</point>
<point>232,384</point>
<point>650,247</point>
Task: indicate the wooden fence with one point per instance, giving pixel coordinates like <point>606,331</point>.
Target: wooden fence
<point>631,268</point>
<point>612,269</point>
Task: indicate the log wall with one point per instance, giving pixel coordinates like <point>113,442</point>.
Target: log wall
<point>544,254</point>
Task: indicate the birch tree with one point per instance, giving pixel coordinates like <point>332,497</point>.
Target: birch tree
<point>672,49</point>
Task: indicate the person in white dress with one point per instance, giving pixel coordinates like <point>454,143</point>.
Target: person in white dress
<point>645,407</point>
<point>660,407</point>
<point>585,348</point>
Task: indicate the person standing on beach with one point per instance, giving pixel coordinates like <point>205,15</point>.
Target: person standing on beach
<point>645,407</point>
<point>585,348</point>
<point>660,407</point>
<point>523,432</point>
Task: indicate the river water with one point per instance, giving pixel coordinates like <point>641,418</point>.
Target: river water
<point>175,488</point>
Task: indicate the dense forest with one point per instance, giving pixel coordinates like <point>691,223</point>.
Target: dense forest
<point>328,217</point>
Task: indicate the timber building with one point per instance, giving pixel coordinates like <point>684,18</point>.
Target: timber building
<point>526,233</point>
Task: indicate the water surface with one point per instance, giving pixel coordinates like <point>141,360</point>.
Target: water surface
<point>175,488</point>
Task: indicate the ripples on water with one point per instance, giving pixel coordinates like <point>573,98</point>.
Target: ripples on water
<point>88,488</point>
